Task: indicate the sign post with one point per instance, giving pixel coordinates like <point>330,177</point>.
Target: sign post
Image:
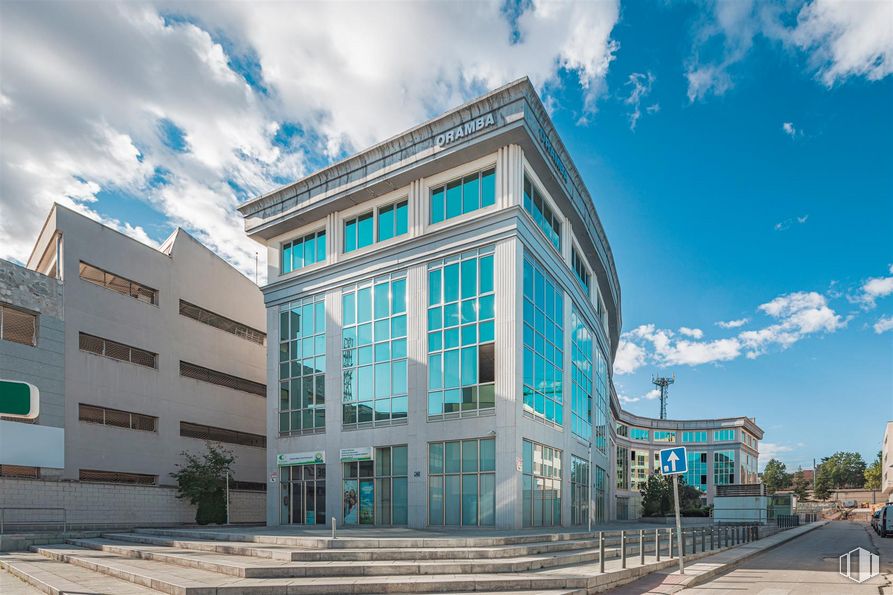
<point>674,461</point>
<point>19,399</point>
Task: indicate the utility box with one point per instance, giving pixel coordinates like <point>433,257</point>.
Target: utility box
<point>741,503</point>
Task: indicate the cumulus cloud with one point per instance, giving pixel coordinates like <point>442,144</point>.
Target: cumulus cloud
<point>796,316</point>
<point>789,129</point>
<point>649,396</point>
<point>873,289</point>
<point>883,324</point>
<point>839,39</point>
<point>192,108</point>
<point>733,323</point>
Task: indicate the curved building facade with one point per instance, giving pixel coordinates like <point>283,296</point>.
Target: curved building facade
<point>447,311</point>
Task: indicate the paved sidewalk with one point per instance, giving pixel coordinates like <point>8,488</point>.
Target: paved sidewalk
<point>669,580</point>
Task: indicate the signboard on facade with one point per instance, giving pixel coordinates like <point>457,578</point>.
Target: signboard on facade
<point>464,129</point>
<point>301,458</point>
<point>19,399</point>
<point>553,155</point>
<point>363,453</point>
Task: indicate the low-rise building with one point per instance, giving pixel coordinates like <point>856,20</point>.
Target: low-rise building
<point>150,353</point>
<point>887,463</point>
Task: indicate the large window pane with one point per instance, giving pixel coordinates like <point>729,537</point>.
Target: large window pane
<point>469,499</point>
<point>365,225</point>
<point>454,199</point>
<point>488,188</point>
<point>385,223</point>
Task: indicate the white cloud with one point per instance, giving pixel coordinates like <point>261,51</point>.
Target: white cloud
<point>649,396</point>
<point>883,324</point>
<point>772,450</point>
<point>641,84</point>
<point>630,357</point>
<point>841,39</point>
<point>788,128</point>
<point>847,39</point>
<point>787,223</point>
<point>85,88</point>
<point>695,333</point>
<point>797,315</point>
<point>733,323</point>
<point>873,289</point>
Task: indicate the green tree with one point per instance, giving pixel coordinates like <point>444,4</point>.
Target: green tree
<point>800,485</point>
<point>775,476</point>
<point>873,474</point>
<point>822,489</point>
<point>657,495</point>
<point>202,480</point>
<point>843,470</point>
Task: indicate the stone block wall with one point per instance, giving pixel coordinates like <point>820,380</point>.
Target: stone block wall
<point>97,505</point>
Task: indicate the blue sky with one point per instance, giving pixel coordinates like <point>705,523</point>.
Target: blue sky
<point>739,155</point>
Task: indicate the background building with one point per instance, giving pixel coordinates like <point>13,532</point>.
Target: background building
<point>447,310</point>
<point>720,452</point>
<point>163,349</point>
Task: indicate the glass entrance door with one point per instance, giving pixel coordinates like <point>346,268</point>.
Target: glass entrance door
<point>303,493</point>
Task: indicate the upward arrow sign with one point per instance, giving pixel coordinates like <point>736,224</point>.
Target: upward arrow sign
<point>672,458</point>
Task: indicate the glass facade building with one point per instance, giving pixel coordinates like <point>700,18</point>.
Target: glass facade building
<point>448,311</point>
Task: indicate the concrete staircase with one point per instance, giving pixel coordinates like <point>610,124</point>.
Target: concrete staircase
<point>189,562</point>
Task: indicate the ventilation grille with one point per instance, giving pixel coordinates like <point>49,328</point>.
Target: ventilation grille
<point>221,322</point>
<point>19,472</point>
<point>117,477</point>
<point>118,351</point>
<point>117,418</point>
<point>118,284</point>
<point>18,326</point>
<point>191,430</point>
<point>219,378</point>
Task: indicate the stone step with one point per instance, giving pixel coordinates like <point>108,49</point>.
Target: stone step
<point>287,552</point>
<point>252,567</point>
<point>176,580</point>
<point>37,574</point>
<point>353,542</point>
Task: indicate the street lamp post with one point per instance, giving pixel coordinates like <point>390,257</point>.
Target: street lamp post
<point>590,489</point>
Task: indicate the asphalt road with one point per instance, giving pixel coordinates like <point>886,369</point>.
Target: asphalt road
<point>808,565</point>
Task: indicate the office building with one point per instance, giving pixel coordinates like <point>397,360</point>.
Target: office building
<point>447,311</point>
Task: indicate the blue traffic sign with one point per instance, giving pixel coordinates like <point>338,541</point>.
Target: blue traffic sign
<point>673,461</point>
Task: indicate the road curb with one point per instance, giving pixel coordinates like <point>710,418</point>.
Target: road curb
<point>700,579</point>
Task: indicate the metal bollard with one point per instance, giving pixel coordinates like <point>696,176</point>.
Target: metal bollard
<point>670,555</point>
<point>657,544</point>
<point>712,531</point>
<point>623,549</point>
<point>642,547</point>
<point>601,552</point>
<point>703,540</point>
<point>333,527</point>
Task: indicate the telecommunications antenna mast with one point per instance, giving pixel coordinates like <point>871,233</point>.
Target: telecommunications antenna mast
<point>663,383</point>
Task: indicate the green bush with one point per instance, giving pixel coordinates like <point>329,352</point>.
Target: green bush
<point>202,480</point>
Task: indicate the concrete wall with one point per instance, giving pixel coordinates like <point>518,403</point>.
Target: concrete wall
<point>90,505</point>
<point>183,269</point>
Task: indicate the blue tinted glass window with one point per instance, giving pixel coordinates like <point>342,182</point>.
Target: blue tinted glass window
<point>365,225</point>
<point>385,223</point>
<point>302,386</point>
<point>350,235</point>
<point>471,198</point>
<point>304,251</point>
<point>437,206</point>
<point>454,199</point>
<point>544,327</point>
<point>543,215</point>
<point>375,394</point>
<point>460,346</point>
<point>488,188</point>
<point>402,223</point>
